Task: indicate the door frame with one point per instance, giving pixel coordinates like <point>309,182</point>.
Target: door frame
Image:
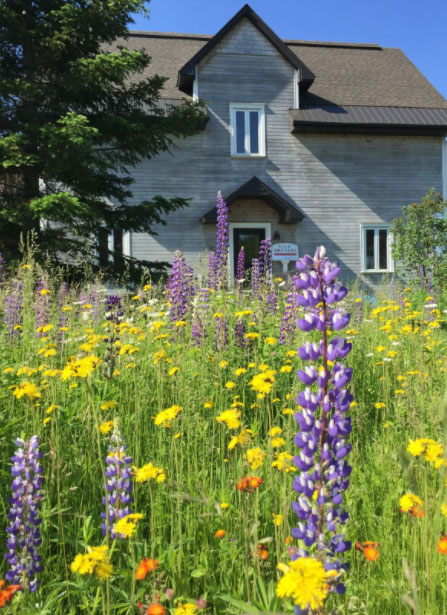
<point>268,235</point>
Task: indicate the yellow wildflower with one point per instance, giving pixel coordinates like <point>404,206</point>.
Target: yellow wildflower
<point>284,462</point>
<point>231,418</point>
<point>263,382</point>
<point>408,501</point>
<point>165,417</point>
<point>270,341</point>
<point>126,526</point>
<point>185,609</point>
<point>148,472</point>
<point>242,439</point>
<point>305,581</point>
<point>230,384</point>
<point>96,560</point>
<point>208,404</point>
<point>277,519</point>
<point>27,389</point>
<point>108,405</point>
<point>239,371</point>
<point>286,369</point>
<point>106,426</point>
<point>173,371</point>
<point>255,457</point>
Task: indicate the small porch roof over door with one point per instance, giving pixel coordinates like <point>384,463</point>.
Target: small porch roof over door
<point>256,189</point>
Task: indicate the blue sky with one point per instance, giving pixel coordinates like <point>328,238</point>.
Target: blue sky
<point>418,27</point>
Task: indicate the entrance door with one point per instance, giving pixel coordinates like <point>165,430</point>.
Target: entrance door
<point>249,239</point>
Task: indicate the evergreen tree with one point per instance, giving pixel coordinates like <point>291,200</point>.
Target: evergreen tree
<point>76,115</point>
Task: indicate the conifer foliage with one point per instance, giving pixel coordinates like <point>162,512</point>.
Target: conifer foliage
<point>76,114</point>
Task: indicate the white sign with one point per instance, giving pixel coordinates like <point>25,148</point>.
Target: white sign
<point>284,252</point>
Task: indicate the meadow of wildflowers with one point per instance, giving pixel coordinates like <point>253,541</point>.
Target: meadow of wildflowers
<point>275,447</point>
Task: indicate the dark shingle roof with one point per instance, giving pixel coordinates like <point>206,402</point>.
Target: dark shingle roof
<point>345,73</point>
<point>377,120</point>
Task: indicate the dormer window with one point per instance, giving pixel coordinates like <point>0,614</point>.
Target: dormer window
<point>247,128</point>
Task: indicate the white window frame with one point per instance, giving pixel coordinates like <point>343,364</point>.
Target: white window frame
<point>268,235</point>
<point>247,107</point>
<point>376,227</point>
<point>296,90</point>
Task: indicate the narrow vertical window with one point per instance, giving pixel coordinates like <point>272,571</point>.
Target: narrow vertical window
<point>240,132</point>
<point>370,261</point>
<point>254,132</point>
<point>247,128</point>
<point>375,249</point>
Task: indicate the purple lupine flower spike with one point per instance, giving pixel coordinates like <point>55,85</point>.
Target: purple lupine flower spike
<point>239,333</point>
<point>13,314</point>
<point>265,259</point>
<point>323,424</point>
<point>240,267</point>
<point>221,255</point>
<point>180,288</point>
<point>220,332</point>
<point>23,532</point>
<point>256,278</point>
<point>119,483</point>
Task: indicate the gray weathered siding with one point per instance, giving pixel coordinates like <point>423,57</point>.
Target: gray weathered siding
<point>337,181</point>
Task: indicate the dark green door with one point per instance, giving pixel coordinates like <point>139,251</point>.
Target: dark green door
<point>249,239</point>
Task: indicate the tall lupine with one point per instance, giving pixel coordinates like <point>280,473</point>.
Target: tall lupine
<point>221,255</point>
<point>180,287</point>
<point>200,321</point>
<point>113,313</point>
<point>23,532</point>
<point>13,313</point>
<point>265,259</point>
<point>220,331</point>
<point>239,333</point>
<point>240,266</point>
<point>272,302</point>
<point>119,483</point>
<point>322,420</point>
<point>256,278</point>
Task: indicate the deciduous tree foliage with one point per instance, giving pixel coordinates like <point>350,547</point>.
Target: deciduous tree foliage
<point>75,116</point>
<point>420,240</point>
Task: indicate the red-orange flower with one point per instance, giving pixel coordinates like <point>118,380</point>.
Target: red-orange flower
<point>249,483</point>
<point>220,533</point>
<point>146,565</point>
<point>7,594</point>
<point>442,544</point>
<point>263,552</point>
<point>155,609</point>
<point>369,549</point>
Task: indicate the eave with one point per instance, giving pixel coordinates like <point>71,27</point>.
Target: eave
<point>256,189</point>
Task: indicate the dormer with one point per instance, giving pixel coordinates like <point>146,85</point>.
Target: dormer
<point>188,81</point>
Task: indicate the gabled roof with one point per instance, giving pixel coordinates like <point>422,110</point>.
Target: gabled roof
<point>256,189</point>
<point>187,72</point>
<point>345,73</point>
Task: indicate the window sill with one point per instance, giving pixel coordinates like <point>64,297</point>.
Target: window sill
<point>364,271</point>
<point>251,157</point>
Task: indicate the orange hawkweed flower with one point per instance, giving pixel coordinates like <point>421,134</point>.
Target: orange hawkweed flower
<point>220,533</point>
<point>7,594</point>
<point>249,483</point>
<point>146,565</point>
<point>442,544</point>
<point>369,549</point>
<point>155,609</point>
<point>262,551</point>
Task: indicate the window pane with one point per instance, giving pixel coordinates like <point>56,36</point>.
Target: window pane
<point>240,132</point>
<point>254,132</point>
<point>369,248</point>
<point>383,260</point>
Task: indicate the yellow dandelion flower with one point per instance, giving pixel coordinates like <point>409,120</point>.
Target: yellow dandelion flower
<point>239,371</point>
<point>231,418</point>
<point>255,457</point>
<point>230,384</point>
<point>379,405</point>
<point>286,369</point>
<point>108,405</point>
<point>165,417</point>
<point>208,404</point>
<point>106,426</point>
<point>305,581</point>
<point>149,472</point>
<point>126,526</point>
<point>27,389</point>
<point>408,501</point>
<point>173,371</point>
<point>270,341</point>
<point>277,519</point>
